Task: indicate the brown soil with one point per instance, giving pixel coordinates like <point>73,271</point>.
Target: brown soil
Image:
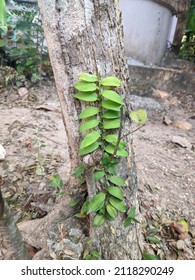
<point>32,132</point>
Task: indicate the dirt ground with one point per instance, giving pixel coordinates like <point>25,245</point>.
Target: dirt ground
<point>32,132</point>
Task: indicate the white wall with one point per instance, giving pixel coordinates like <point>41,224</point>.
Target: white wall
<point>146,29</point>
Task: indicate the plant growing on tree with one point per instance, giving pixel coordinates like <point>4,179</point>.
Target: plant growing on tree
<point>101,128</point>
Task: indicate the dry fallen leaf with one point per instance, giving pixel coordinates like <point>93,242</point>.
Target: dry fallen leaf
<point>167,121</point>
<point>182,124</point>
<point>160,93</point>
<point>182,141</point>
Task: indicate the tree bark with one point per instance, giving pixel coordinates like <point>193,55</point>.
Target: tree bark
<point>87,36</point>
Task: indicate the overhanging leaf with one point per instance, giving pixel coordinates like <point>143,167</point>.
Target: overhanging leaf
<point>139,116</point>
<point>113,96</point>
<point>90,139</point>
<point>111,124</point>
<point>90,111</point>
<point>89,149</point>
<point>111,81</point>
<point>88,77</point>
<point>116,192</point>
<point>111,105</point>
<point>110,114</point>
<point>85,86</point>
<point>120,152</point>
<point>117,181</point>
<point>88,125</point>
<point>86,96</point>
<point>97,202</point>
<point>112,139</point>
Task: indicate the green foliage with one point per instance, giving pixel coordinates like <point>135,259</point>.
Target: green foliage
<point>139,117</point>
<point>187,50</point>
<point>130,217</point>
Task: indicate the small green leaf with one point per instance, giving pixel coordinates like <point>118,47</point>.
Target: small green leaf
<point>88,77</point>
<point>153,239</point>
<point>90,111</point>
<point>185,224</point>
<point>89,149</point>
<point>111,82</point>
<point>88,125</point>
<point>117,181</point>
<point>111,105</point>
<point>116,192</point>
<point>147,256</point>
<point>113,138</point>
<point>139,117</point>
<point>131,213</point>
<point>109,114</point>
<point>111,124</point>
<point>98,220</point>
<point>120,152</point>
<point>90,139</point>
<point>79,170</point>
<point>127,222</point>
<point>99,175</point>
<point>73,203</point>
<point>118,204</point>
<point>111,210</point>
<point>85,86</point>
<point>86,96</point>
<point>113,96</point>
<point>97,202</point>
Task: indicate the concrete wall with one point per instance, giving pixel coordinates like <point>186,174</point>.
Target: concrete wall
<point>146,29</point>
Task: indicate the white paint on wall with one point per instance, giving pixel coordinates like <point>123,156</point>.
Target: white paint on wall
<point>146,30</point>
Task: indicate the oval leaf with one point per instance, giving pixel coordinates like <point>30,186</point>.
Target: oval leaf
<point>88,77</point>
<point>98,220</point>
<point>111,82</point>
<point>117,181</point>
<point>119,205</point>
<point>97,202</point>
<point>111,210</point>
<point>116,192</point>
<point>109,114</point>
<point>111,105</point>
<point>147,256</point>
<point>88,125</point>
<point>113,96</point>
<point>90,139</point>
<point>89,149</point>
<point>86,96</point>
<point>99,175</point>
<point>112,139</point>
<point>120,152</point>
<point>90,111</point>
<point>139,117</point>
<point>85,86</point>
<point>111,124</point>
<point>153,239</point>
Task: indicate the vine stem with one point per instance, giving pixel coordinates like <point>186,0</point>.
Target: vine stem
<point>139,127</point>
<point>119,132</point>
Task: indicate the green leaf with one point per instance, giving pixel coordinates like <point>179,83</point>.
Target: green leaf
<point>118,204</point>
<point>79,170</point>
<point>90,111</point>
<point>131,213</point>
<point>184,224</point>
<point>99,175</point>
<point>151,257</point>
<point>127,222</point>
<point>85,86</point>
<point>89,149</point>
<point>111,124</point>
<point>153,239</point>
<point>98,220</point>
<point>86,96</point>
<point>111,210</point>
<point>120,152</point>
<point>88,125</point>
<point>111,105</point>
<point>139,117</point>
<point>109,114</point>
<point>73,203</point>
<point>116,192</point>
<point>88,77</point>
<point>90,139</point>
<point>112,139</point>
<point>113,96</point>
<point>117,181</point>
<point>111,82</point>
<point>97,202</point>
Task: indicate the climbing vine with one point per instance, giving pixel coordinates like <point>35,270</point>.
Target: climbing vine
<point>101,128</point>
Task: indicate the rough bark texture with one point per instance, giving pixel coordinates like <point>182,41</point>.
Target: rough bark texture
<point>87,36</point>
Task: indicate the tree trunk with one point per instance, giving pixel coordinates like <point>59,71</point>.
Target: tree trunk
<point>87,36</point>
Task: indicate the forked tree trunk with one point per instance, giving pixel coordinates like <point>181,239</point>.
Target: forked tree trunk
<point>87,36</point>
